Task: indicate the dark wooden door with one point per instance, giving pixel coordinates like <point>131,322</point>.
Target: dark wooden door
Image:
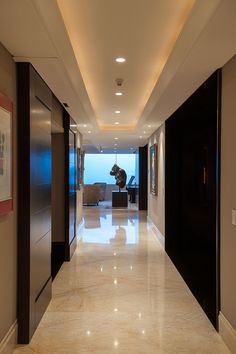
<point>71,186</point>
<point>143,177</point>
<point>192,190</point>
<point>34,200</point>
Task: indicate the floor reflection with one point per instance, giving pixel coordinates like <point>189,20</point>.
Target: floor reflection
<point>120,293</point>
<point>123,228</point>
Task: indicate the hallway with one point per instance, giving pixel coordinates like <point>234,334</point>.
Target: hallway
<point>121,294</point>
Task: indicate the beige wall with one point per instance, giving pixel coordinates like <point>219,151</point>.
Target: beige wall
<point>8,236</point>
<point>79,191</point>
<point>156,204</point>
<point>228,193</point>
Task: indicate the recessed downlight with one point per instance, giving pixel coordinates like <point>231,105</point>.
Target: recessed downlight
<point>115,144</point>
<point>85,125</point>
<point>117,112</point>
<point>149,126</point>
<point>116,123</point>
<point>120,60</point>
<point>144,132</point>
<point>89,132</point>
<point>140,136</point>
<point>116,138</point>
<point>118,93</point>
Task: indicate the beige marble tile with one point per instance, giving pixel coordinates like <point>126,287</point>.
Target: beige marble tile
<point>121,294</point>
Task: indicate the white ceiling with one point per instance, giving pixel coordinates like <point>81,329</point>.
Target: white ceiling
<point>171,47</point>
<point>143,31</point>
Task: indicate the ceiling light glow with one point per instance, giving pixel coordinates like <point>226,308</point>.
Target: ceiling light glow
<point>89,132</point>
<point>118,93</point>
<point>120,60</point>
<point>117,112</point>
<point>117,123</point>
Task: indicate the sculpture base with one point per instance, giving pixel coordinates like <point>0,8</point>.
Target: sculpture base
<point>120,199</point>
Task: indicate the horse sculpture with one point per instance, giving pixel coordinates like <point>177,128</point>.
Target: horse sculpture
<point>120,176</point>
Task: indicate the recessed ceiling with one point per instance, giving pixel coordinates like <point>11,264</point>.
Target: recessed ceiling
<point>143,32</point>
<point>171,47</point>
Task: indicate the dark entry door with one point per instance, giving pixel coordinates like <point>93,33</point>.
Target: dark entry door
<point>192,188</point>
<point>34,200</point>
<point>71,185</point>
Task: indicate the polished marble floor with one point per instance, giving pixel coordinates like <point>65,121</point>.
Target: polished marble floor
<point>121,294</point>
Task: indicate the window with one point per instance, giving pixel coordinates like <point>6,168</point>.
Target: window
<point>98,167</point>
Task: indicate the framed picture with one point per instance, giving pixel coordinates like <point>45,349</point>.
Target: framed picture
<point>6,198</point>
<point>153,169</point>
<point>80,167</point>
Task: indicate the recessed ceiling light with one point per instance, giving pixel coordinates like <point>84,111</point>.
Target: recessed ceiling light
<point>117,123</point>
<point>89,131</point>
<point>149,126</point>
<point>117,112</point>
<point>120,60</point>
<point>144,132</point>
<point>115,144</point>
<point>140,136</point>
<point>118,93</point>
<point>116,138</point>
<point>85,125</point>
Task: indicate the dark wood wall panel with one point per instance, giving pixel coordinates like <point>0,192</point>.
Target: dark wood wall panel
<point>34,199</point>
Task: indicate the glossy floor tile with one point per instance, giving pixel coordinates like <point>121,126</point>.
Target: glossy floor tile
<point>121,294</point>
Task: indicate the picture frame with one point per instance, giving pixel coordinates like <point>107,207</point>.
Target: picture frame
<point>80,168</point>
<point>6,193</point>
<point>153,170</point>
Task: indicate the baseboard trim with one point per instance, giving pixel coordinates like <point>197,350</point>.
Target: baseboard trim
<point>80,227</point>
<point>8,344</point>
<point>156,231</point>
<point>228,333</point>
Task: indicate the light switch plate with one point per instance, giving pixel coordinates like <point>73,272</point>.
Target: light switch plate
<point>233,217</point>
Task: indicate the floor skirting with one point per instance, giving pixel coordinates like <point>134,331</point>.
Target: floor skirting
<point>7,345</point>
<point>228,333</point>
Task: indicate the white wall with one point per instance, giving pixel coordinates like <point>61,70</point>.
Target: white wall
<point>156,203</point>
